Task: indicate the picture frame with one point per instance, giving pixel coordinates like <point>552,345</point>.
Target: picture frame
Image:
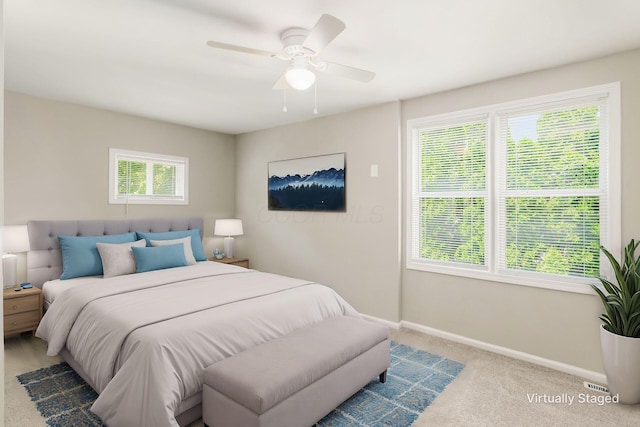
<point>316,183</point>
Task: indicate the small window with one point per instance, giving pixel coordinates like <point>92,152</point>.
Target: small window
<point>147,178</point>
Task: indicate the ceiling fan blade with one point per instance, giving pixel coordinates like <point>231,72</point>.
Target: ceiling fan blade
<point>326,29</point>
<point>281,83</point>
<point>242,49</point>
<point>349,72</point>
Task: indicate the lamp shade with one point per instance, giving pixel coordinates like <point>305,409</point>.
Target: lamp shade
<point>228,227</point>
<point>15,238</point>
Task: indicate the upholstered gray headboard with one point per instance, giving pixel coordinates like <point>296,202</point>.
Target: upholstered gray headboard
<point>44,259</point>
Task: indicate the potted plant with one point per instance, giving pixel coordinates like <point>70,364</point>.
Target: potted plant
<point>620,332</point>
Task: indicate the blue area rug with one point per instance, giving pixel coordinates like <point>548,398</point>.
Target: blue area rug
<point>414,380</point>
<point>61,396</point>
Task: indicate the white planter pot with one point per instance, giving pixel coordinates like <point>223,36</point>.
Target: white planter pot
<point>621,358</point>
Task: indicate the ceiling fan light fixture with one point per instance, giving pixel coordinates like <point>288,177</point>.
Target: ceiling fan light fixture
<point>300,78</point>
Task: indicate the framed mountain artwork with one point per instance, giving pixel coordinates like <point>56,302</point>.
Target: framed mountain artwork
<point>308,184</point>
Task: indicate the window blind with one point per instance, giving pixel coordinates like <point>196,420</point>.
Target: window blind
<point>553,196</point>
<point>449,214</point>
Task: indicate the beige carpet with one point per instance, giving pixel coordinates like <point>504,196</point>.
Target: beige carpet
<point>491,390</point>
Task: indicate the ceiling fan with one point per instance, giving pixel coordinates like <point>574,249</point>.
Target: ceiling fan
<point>300,48</point>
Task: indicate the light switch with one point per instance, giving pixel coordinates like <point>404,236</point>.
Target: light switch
<point>374,171</point>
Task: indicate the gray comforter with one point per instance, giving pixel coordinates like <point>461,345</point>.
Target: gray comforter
<point>145,339</point>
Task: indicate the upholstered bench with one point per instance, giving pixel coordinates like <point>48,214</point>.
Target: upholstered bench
<point>295,380</point>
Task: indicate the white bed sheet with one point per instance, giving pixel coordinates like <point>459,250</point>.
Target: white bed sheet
<point>145,339</point>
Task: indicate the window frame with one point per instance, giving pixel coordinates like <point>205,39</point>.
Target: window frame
<point>115,154</point>
<point>495,112</point>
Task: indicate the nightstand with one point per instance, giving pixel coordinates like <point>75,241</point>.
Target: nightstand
<point>240,262</point>
<point>22,310</point>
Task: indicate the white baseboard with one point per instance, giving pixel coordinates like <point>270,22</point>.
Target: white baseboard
<point>596,377</point>
<point>388,323</point>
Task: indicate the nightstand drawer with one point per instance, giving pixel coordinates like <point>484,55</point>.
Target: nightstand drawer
<point>20,304</point>
<point>21,321</point>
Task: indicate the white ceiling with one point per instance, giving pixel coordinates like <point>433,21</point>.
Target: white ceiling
<point>149,57</point>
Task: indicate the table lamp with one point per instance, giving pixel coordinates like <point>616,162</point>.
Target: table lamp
<point>228,227</point>
<point>15,239</point>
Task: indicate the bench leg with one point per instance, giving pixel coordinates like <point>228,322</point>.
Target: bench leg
<point>383,377</point>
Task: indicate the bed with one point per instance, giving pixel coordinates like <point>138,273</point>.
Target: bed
<point>143,340</point>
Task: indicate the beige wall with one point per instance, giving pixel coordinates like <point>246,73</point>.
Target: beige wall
<point>57,162</point>
<point>551,324</point>
<point>357,252</point>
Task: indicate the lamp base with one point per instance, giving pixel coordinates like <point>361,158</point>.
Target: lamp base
<point>9,271</point>
<point>228,247</point>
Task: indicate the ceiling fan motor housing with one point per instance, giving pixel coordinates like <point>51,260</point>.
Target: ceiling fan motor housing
<point>292,40</point>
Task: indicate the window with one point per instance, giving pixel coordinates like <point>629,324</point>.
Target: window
<point>147,178</point>
<point>524,192</point>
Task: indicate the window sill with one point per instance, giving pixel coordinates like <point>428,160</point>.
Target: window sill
<point>147,202</point>
<point>579,286</point>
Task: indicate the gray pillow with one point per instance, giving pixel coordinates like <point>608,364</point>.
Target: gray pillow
<point>117,259</point>
<point>186,243</point>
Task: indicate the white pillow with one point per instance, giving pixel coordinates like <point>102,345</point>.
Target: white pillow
<point>117,258</point>
<point>186,243</point>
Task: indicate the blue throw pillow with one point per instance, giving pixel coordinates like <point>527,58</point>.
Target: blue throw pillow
<point>196,240</point>
<point>159,257</point>
<point>80,255</point>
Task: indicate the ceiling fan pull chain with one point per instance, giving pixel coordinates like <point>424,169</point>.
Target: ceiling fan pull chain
<point>284,109</point>
<point>315,97</point>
